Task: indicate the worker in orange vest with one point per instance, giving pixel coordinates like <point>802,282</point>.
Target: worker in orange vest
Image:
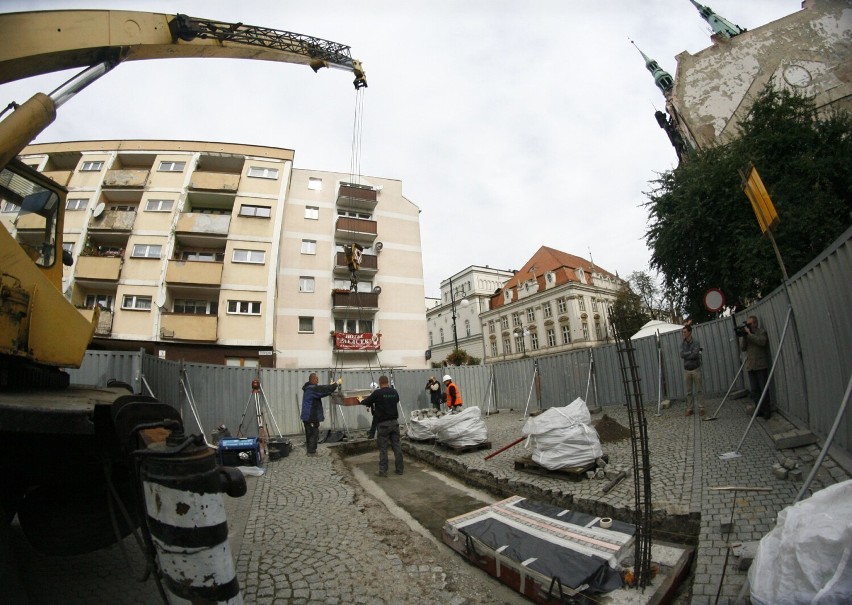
<point>452,395</point>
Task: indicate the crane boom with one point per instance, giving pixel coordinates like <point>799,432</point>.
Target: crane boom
<point>40,42</point>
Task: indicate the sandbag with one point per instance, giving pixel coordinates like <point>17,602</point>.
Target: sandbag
<point>462,429</point>
<point>561,437</point>
<point>807,557</point>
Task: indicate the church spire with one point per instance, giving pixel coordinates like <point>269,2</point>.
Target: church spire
<point>720,25</point>
<point>662,78</point>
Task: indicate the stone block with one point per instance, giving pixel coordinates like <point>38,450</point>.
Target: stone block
<point>665,404</point>
<point>793,438</point>
<point>795,474</point>
<point>746,553</point>
<point>779,471</point>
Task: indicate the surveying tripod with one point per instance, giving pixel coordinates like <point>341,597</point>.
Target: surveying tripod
<point>258,397</point>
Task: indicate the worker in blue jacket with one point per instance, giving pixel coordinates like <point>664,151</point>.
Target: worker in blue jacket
<point>312,413</point>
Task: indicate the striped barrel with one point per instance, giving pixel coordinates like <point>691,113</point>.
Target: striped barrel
<point>189,527</point>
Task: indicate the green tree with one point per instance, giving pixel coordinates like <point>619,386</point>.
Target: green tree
<point>628,312</point>
<point>461,358</point>
<point>702,231</point>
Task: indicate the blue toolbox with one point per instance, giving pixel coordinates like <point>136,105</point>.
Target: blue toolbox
<point>239,452</point>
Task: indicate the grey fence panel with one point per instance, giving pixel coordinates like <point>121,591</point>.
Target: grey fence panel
<point>98,367</point>
<point>162,378</point>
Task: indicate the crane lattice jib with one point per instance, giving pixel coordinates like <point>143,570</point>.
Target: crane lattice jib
<point>40,42</point>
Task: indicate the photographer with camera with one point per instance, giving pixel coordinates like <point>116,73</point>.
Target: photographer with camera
<point>755,343</point>
<point>690,352</point>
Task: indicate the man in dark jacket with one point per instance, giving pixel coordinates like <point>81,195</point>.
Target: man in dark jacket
<point>312,413</point>
<point>690,352</point>
<point>433,387</point>
<point>755,343</point>
<point>384,401</point>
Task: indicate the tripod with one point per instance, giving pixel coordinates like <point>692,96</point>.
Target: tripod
<point>258,397</point>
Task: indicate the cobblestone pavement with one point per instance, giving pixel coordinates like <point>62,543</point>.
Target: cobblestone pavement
<point>305,533</point>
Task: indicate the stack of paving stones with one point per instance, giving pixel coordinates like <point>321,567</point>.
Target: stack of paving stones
<point>685,465</point>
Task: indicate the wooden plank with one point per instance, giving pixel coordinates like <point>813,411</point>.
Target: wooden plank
<point>463,449</point>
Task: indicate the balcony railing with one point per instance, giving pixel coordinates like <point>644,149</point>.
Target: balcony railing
<point>200,223</point>
<point>369,263</point>
<point>215,181</point>
<point>113,220</point>
<point>180,326</point>
<point>344,299</point>
<point>194,272</point>
<point>104,325</point>
<point>362,197</point>
<point>357,229</point>
<point>102,268</point>
<point>121,179</point>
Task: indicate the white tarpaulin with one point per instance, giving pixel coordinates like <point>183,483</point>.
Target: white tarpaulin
<point>561,437</point>
<point>654,326</point>
<point>807,558</point>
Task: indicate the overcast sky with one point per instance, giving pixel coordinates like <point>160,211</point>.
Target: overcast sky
<point>511,125</point>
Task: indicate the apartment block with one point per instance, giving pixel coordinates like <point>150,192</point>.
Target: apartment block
<point>224,253</point>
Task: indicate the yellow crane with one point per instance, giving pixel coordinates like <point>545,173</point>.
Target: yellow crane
<point>65,452</point>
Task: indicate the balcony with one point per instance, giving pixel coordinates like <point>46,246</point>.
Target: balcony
<point>113,220</point>
<point>98,268</point>
<point>369,264</point>
<point>182,326</point>
<point>124,179</point>
<point>363,301</point>
<point>360,197</point>
<point>202,230</point>
<point>194,273</point>
<point>355,229</point>
<point>214,181</point>
<point>60,177</point>
<point>104,325</point>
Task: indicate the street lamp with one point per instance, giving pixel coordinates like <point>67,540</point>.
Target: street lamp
<point>464,303</point>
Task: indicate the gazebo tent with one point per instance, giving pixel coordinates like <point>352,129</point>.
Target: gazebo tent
<point>653,326</point>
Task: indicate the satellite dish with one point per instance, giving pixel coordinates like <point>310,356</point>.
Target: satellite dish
<point>99,210</point>
<point>377,290</point>
<point>378,247</point>
<point>161,299</point>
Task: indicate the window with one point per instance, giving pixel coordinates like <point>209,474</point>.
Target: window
<point>204,256</point>
<point>566,334</point>
<point>582,302</point>
<point>312,212</point>
<point>76,204</point>
<point>507,345</point>
<point>519,343</point>
<point>306,324</point>
<point>594,304</point>
<point>491,326</point>
<point>598,330</point>
<point>146,251</point>
<point>314,184</point>
<point>244,307</point>
<point>431,342</point>
<point>493,348</point>
<point>242,362</point>
<point>356,326</point>
<point>545,308</point>
<point>516,319</point>
<point>139,303</point>
<point>159,205</point>
<point>99,300</point>
<point>172,166</point>
<point>561,305</point>
<point>585,330</point>
<point>10,207</point>
<point>255,211</point>
<point>257,257</point>
<point>309,246</point>
<point>534,341</point>
<point>504,322</point>
<point>263,173</point>
<point>551,337</point>
<point>195,307</point>
<point>209,210</point>
<point>91,166</point>
<point>123,208</point>
<point>467,327</point>
<point>306,284</point>
<point>354,214</point>
<point>531,315</point>
<point>441,333</point>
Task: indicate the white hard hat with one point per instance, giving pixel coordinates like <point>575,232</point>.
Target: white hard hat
<point>446,378</point>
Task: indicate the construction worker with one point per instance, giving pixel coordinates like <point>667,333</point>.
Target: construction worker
<point>312,413</point>
<point>385,402</point>
<point>452,395</point>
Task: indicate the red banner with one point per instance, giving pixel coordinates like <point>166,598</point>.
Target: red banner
<point>365,341</point>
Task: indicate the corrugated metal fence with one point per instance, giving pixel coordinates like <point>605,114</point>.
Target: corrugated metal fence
<point>809,381</point>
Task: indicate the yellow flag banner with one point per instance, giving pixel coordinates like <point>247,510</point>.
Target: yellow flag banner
<point>762,205</point>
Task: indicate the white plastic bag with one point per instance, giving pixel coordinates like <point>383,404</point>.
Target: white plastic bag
<point>807,558</point>
<point>462,429</point>
<point>561,437</point>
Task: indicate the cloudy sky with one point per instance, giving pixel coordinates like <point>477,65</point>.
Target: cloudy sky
<point>511,125</point>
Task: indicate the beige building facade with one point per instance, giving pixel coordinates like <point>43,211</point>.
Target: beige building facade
<point>224,253</point>
<point>809,52</point>
<point>557,302</point>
